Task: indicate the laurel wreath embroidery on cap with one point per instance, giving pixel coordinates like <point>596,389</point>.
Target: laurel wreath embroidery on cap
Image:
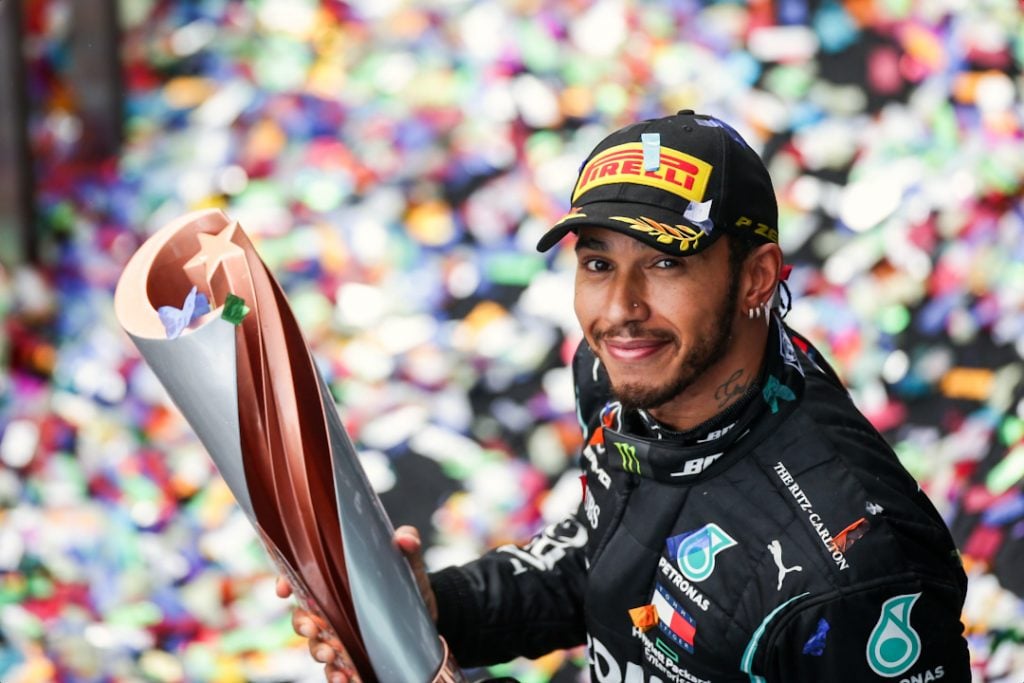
<point>573,213</point>
<point>687,237</point>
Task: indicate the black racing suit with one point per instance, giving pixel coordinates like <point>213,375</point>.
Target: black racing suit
<point>783,542</point>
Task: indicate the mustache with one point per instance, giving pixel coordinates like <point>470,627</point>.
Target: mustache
<point>632,330</point>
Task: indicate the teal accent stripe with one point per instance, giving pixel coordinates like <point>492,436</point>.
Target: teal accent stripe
<point>748,654</point>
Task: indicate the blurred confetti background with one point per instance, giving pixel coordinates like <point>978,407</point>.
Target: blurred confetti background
<point>395,162</point>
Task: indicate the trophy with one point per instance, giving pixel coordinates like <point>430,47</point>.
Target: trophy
<point>214,325</point>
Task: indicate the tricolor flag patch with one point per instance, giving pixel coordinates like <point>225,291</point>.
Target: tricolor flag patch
<point>673,620</point>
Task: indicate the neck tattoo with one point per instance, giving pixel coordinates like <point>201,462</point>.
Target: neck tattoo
<point>731,389</point>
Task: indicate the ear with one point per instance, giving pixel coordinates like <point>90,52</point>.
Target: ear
<point>761,271</point>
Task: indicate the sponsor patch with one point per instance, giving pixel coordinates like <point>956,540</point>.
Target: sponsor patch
<point>680,174</point>
<point>787,351</point>
<point>682,585</point>
<point>696,465</point>
<point>813,518</point>
<point>547,548</point>
<point>591,453</point>
<point>894,646</point>
<point>630,461</point>
<point>674,621</point>
<point>590,506</point>
<point>695,551</point>
<point>775,548</point>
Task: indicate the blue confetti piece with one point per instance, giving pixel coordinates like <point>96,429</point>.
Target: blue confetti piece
<point>835,28</point>
<point>792,12</point>
<point>1004,511</point>
<point>175,320</point>
<point>743,67</point>
<point>652,150</point>
<point>815,645</point>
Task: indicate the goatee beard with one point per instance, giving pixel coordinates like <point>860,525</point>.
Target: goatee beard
<point>704,354</point>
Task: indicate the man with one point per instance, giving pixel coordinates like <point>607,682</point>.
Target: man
<point>741,520</point>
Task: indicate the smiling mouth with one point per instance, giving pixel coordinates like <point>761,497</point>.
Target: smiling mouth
<point>631,349</point>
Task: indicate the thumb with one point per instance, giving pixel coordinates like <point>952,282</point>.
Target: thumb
<point>407,538</point>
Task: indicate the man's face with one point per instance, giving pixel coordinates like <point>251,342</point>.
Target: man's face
<point>657,322</point>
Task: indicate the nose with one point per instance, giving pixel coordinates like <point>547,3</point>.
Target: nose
<point>627,300</point>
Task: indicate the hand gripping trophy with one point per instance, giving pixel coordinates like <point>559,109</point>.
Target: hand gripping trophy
<point>235,363</point>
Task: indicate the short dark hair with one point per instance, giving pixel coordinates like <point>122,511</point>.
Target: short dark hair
<point>739,249</point>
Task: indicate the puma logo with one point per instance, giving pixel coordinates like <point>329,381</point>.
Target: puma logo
<point>776,550</point>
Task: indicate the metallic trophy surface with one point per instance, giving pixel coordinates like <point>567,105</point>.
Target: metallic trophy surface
<point>241,373</point>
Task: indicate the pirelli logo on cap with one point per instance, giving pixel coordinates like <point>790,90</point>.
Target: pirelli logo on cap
<point>681,174</point>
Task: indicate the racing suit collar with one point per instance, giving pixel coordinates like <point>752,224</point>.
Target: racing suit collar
<point>632,446</point>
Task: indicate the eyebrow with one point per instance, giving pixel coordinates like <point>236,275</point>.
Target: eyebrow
<point>587,242</point>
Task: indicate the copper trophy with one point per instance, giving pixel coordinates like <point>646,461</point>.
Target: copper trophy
<point>235,363</point>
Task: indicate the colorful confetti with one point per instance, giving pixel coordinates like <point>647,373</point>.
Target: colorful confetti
<point>395,163</point>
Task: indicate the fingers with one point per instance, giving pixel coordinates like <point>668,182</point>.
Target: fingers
<point>324,645</point>
<point>407,538</point>
<point>337,668</point>
<point>303,624</point>
<point>322,652</point>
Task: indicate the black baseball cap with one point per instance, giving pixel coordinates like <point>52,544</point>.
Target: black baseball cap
<point>676,183</point>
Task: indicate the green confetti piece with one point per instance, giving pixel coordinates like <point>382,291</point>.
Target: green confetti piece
<point>581,72</point>
<point>235,309</point>
<point>914,460</point>
<point>893,319</point>
<point>282,63</point>
<point>945,131</point>
<point>539,51</point>
<point>513,269</point>
<point>1012,430</point>
<point>140,489</point>
<point>40,587</point>
<point>790,82</point>
<point>611,99</point>
<point>139,614</point>
<point>1007,473</point>
<point>322,191</point>
<point>257,639</point>
<point>897,9</point>
<point>1018,46</point>
<point>200,662</point>
<point>311,308</point>
<point>12,591</point>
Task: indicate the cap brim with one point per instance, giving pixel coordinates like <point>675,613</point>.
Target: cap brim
<point>659,228</point>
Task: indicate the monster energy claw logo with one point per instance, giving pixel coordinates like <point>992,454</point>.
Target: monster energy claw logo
<point>894,645</point>
<point>630,462</point>
<point>696,553</point>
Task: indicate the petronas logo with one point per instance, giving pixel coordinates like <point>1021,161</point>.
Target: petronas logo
<point>894,645</point>
<point>695,554</point>
<point>630,462</point>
